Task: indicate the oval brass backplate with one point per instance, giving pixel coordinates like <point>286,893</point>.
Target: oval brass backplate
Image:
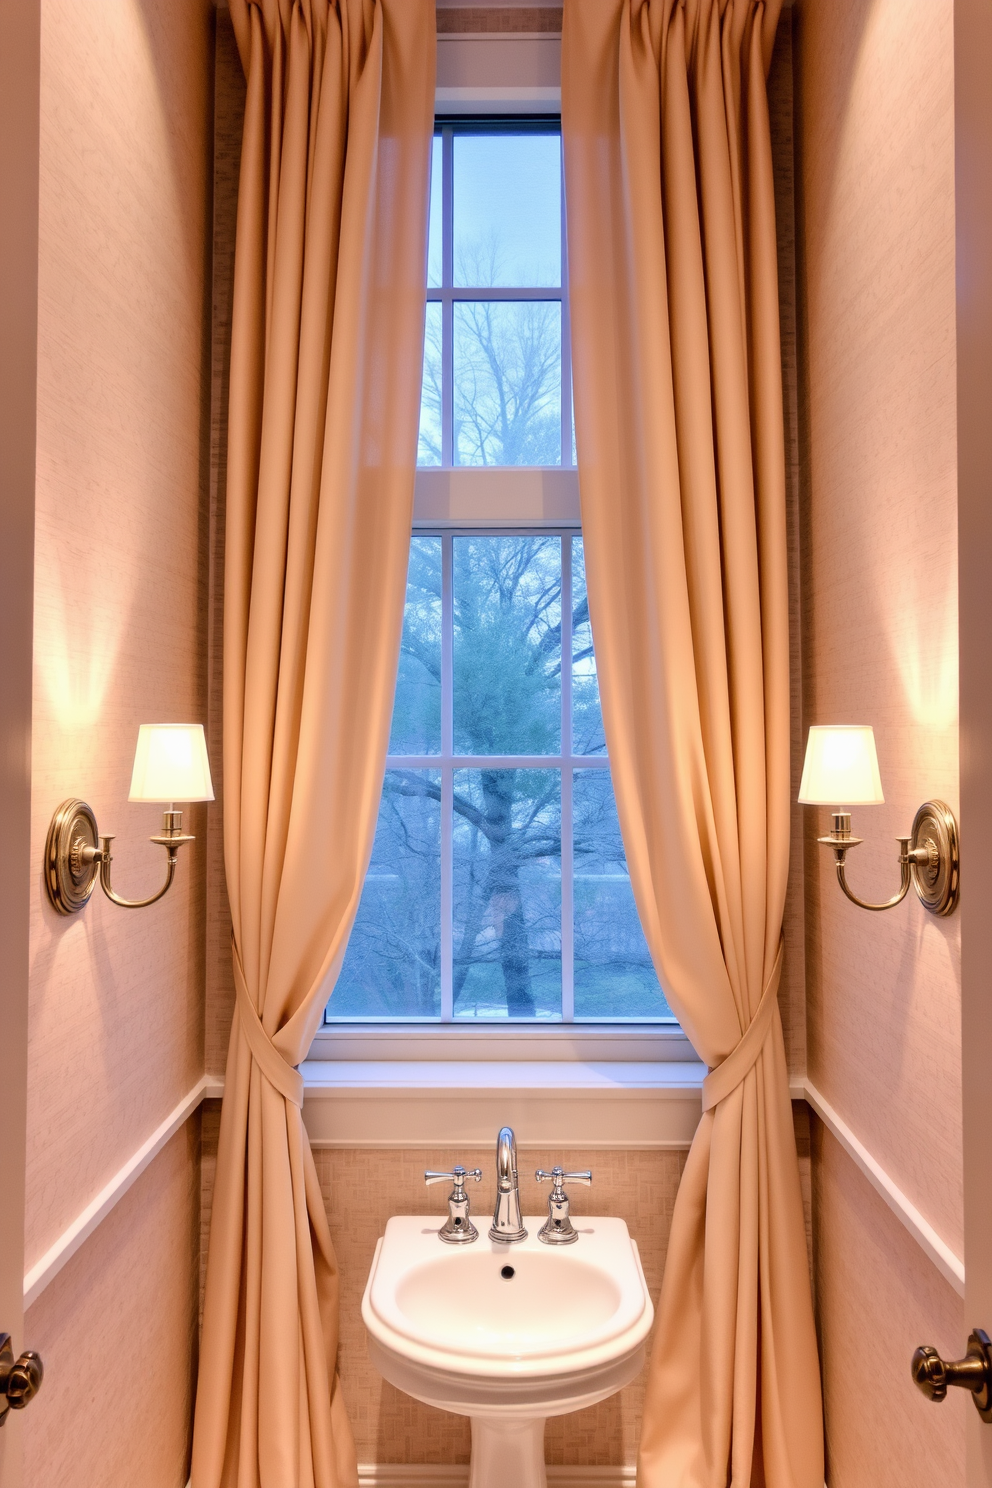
<point>936,882</point>
<point>69,879</point>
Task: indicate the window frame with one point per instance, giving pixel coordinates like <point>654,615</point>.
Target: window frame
<point>463,500</point>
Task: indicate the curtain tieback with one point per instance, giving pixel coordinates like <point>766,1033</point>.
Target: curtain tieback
<point>729,1073</point>
<point>287,1080</point>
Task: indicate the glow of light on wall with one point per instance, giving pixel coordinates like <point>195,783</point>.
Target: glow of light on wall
<point>77,640</point>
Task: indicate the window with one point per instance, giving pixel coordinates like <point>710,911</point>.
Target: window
<point>496,389</point>
<point>497,890</point>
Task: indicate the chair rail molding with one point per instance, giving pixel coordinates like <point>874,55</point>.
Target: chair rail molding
<point>950,1266</point>
<point>361,1104</point>
<point>56,1256</point>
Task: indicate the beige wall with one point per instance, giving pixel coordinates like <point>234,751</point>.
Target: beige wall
<point>878,1297</point>
<point>877,367</point>
<point>116,998</point>
<point>117,1329</point>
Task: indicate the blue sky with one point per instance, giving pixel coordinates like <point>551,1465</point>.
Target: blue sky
<point>507,193</point>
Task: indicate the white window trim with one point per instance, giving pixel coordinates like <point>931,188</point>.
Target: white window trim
<point>497,73</point>
<point>515,1043</point>
<point>461,1104</point>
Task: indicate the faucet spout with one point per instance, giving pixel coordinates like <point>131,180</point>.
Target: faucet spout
<point>507,1225</point>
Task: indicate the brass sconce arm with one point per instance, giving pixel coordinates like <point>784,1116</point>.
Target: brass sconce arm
<point>74,863</point>
<point>172,838</point>
<point>840,841</point>
<point>928,859</point>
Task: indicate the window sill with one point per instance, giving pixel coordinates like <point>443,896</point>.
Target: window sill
<point>513,1043</point>
<point>592,1105</point>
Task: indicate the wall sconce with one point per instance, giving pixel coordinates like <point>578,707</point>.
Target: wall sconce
<point>841,765</point>
<point>170,764</point>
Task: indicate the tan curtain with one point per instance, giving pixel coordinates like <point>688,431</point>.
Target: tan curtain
<point>325,374</point>
<point>678,398</point>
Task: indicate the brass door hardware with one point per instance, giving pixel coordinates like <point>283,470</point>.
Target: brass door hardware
<point>933,1375</point>
<point>20,1379</point>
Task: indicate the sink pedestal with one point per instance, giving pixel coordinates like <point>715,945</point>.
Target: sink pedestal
<point>507,1452</point>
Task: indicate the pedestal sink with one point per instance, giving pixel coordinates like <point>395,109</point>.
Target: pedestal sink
<point>507,1334</point>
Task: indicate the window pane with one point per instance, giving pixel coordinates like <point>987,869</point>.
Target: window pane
<point>507,894</point>
<point>434,233</point>
<point>417,707</point>
<point>587,717</point>
<point>507,382</point>
<point>429,446</point>
<point>507,210</point>
<point>614,974</point>
<point>507,645</point>
<point>392,968</point>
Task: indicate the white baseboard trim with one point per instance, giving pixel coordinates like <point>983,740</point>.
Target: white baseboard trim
<point>65,1247</point>
<point>950,1266</point>
<point>402,1475</point>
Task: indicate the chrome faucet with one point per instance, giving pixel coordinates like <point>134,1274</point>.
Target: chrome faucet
<point>507,1225</point>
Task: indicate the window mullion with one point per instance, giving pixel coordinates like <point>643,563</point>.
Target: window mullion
<point>566,341</point>
<point>567,894</point>
<point>447,307</point>
<point>447,780</point>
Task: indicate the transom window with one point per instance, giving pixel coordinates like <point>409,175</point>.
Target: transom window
<point>497,356</point>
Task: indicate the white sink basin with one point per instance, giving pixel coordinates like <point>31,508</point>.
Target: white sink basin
<point>551,1303</point>
<point>507,1334</point>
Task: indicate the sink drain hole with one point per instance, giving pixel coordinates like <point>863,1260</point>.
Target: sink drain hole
<point>507,1273</point>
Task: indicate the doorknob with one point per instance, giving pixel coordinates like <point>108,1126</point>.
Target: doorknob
<point>932,1374</point>
<point>20,1380</point>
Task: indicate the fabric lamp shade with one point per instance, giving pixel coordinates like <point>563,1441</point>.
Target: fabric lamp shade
<point>841,767</point>
<point>170,764</point>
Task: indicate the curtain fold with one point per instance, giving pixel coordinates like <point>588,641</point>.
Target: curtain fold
<point>326,354</point>
<point>673,290</point>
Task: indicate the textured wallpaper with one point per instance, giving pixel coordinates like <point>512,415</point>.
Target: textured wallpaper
<point>875,185</point>
<point>116,999</point>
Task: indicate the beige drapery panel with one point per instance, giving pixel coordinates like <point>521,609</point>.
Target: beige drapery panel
<point>326,355</point>
<point>678,398</point>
